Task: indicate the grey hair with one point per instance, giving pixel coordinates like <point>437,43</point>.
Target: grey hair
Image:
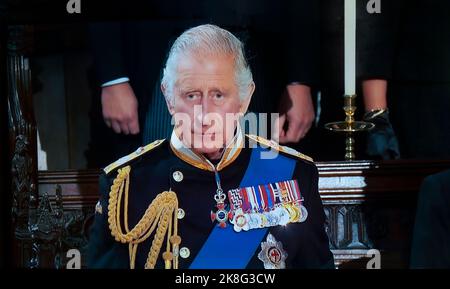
<point>208,39</point>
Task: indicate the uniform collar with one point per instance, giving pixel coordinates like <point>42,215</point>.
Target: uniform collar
<point>231,152</point>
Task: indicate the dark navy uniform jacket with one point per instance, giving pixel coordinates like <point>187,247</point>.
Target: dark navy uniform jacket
<point>306,243</point>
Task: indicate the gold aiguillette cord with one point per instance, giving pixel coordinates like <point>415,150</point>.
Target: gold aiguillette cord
<point>160,214</point>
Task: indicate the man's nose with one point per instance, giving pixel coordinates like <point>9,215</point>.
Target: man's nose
<point>206,105</point>
<point>206,109</point>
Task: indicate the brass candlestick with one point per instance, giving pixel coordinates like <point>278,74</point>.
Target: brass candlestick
<point>349,126</point>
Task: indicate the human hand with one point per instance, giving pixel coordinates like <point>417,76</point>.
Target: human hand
<point>382,143</point>
<point>296,113</point>
<point>120,108</point>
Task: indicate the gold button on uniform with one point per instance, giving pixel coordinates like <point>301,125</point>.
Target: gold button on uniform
<point>184,252</point>
<point>180,213</point>
<point>177,176</point>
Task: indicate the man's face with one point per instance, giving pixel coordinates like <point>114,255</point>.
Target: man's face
<point>205,96</point>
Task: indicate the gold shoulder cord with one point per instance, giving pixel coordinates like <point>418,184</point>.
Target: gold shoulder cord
<point>160,214</point>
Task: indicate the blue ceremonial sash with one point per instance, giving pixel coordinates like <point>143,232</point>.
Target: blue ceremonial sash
<point>227,249</point>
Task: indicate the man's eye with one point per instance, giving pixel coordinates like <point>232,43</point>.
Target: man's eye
<point>192,96</point>
<point>218,96</point>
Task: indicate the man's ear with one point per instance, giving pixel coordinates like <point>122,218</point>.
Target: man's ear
<point>246,101</point>
<point>166,97</point>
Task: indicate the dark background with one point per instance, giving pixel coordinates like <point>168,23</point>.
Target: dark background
<point>407,44</point>
<point>411,49</point>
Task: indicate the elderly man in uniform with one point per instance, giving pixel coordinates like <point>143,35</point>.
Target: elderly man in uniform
<point>210,197</point>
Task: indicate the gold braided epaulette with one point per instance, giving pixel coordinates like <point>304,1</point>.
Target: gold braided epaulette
<point>139,152</point>
<point>284,149</point>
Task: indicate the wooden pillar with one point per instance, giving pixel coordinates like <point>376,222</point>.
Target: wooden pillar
<point>22,139</point>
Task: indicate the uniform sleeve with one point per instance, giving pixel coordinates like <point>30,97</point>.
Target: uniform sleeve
<point>377,36</point>
<point>302,36</point>
<point>314,251</point>
<point>103,250</point>
<point>106,45</point>
<point>431,238</point>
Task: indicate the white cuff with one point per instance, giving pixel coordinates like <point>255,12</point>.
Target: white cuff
<point>116,81</point>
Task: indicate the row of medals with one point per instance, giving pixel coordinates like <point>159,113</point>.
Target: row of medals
<point>282,214</point>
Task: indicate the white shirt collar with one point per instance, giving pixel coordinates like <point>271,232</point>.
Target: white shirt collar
<point>230,153</point>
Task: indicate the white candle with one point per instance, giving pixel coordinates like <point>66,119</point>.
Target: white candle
<point>349,46</point>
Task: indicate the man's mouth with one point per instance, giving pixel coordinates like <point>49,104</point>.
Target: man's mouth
<point>204,134</point>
